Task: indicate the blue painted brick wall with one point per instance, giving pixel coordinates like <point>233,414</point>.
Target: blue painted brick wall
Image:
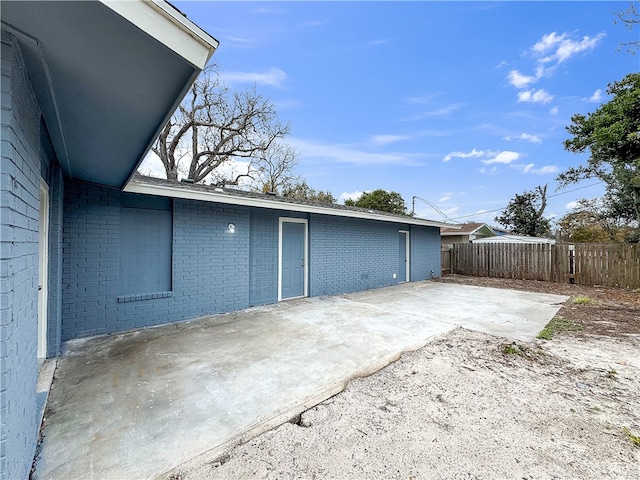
<point>214,270</point>
<point>19,206</point>
<point>348,255</point>
<point>210,265</point>
<point>263,258</point>
<point>90,259</point>
<point>425,252</point>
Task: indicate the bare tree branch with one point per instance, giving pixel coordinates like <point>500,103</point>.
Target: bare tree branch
<point>630,18</point>
<point>213,127</point>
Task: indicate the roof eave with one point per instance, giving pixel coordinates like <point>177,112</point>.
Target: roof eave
<point>164,23</point>
<point>135,186</point>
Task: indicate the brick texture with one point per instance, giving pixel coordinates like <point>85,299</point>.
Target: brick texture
<point>214,270</point>
<point>19,207</point>
<point>425,253</point>
<point>263,258</point>
<point>210,271</point>
<point>348,255</point>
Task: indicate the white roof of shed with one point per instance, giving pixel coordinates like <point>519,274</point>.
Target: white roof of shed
<point>514,239</point>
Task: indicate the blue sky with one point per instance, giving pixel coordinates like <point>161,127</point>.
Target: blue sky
<point>463,104</point>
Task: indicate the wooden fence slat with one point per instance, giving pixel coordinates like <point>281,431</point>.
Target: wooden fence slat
<point>612,265</point>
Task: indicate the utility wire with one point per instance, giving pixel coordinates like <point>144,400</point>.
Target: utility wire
<point>548,196</point>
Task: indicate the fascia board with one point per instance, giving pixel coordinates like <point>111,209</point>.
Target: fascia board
<point>166,191</point>
<point>448,234</point>
<point>160,21</point>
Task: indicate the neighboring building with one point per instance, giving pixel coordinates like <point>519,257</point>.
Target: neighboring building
<point>466,232</point>
<point>501,231</point>
<point>86,87</point>
<point>89,248</point>
<point>515,239</point>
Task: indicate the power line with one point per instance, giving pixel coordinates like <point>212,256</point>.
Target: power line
<point>575,189</point>
<point>548,196</point>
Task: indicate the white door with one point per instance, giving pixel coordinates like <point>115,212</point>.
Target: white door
<point>43,264</point>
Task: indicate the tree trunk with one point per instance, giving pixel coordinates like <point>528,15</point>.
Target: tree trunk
<point>172,174</point>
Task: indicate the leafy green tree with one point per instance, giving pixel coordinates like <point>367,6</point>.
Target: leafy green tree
<point>301,191</point>
<point>391,202</point>
<point>611,135</point>
<point>524,214</point>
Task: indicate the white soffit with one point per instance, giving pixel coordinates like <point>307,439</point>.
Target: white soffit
<point>169,27</point>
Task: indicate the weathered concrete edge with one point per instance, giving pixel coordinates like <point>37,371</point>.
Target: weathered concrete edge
<point>286,416</point>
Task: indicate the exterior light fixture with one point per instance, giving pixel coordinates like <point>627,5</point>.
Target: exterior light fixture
<point>232,228</point>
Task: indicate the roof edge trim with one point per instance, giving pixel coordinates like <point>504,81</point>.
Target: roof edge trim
<point>135,186</point>
<point>164,23</point>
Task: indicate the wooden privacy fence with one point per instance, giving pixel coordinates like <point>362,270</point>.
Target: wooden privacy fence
<point>612,265</point>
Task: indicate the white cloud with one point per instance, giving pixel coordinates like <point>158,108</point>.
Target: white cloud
<point>519,80</point>
<point>152,166</point>
<point>547,43</point>
<point>571,205</point>
<point>489,171</point>
<point>551,50</point>
<point>380,140</point>
<point>554,111</point>
<point>473,153</point>
<point>274,77</point>
<point>230,170</point>
<point>529,168</point>
<point>349,196</point>
<point>535,96</point>
<point>488,157</point>
<point>526,137</point>
<point>444,198</point>
<point>546,170</point>
<point>449,211</point>
<point>559,48</point>
<point>427,211</point>
<point>568,48</point>
<point>505,157</point>
<point>596,97</point>
<point>348,154</point>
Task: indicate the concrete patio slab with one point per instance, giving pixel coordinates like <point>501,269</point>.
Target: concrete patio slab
<point>138,404</point>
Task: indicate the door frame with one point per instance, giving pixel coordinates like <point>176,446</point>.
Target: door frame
<point>408,252</point>
<point>281,221</point>
<point>43,269</point>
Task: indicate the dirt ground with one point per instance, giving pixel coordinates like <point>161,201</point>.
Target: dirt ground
<point>473,406</point>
